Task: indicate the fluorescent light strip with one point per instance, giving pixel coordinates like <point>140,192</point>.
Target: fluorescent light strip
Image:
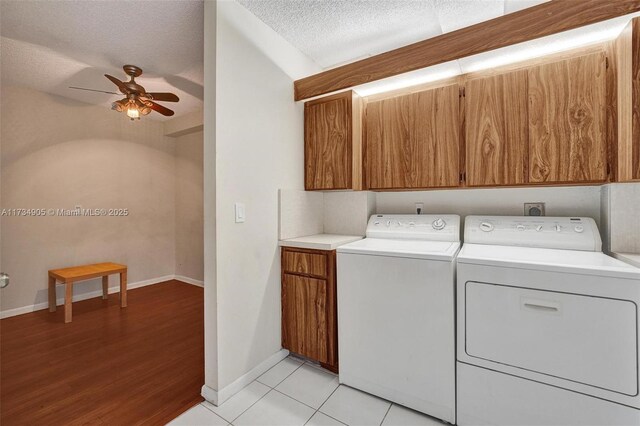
<point>401,83</point>
<point>494,59</point>
<point>546,49</point>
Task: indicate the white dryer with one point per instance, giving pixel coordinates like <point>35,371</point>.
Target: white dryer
<point>396,320</point>
<point>547,325</point>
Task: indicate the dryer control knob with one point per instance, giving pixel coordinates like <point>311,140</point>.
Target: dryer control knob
<point>486,226</point>
<point>579,228</point>
<point>438,224</point>
<point>521,227</point>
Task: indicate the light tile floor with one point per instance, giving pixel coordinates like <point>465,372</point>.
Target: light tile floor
<point>296,392</point>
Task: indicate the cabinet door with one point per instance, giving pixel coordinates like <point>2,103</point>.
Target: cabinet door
<point>412,141</point>
<point>496,129</point>
<point>304,316</point>
<point>567,121</point>
<point>327,142</point>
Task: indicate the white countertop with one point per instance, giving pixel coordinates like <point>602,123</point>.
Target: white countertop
<point>320,241</point>
<point>630,258</point>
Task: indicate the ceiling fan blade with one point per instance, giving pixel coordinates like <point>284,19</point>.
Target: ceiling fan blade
<point>165,97</point>
<point>159,108</point>
<point>93,90</point>
<point>118,83</point>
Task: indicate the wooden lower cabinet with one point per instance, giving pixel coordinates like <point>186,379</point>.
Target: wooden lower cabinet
<point>309,306</point>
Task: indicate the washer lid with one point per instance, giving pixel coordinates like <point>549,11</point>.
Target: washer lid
<point>415,249</point>
<point>570,261</point>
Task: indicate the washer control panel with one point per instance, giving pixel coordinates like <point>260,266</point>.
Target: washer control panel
<point>444,227</point>
<point>569,233</point>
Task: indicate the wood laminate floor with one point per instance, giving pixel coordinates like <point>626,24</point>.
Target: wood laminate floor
<point>140,365</point>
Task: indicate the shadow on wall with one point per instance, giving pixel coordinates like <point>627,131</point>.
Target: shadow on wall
<point>64,154</point>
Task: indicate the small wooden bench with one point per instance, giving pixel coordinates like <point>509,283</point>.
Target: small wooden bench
<point>69,276</point>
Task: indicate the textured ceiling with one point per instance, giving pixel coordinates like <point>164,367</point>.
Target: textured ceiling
<point>333,32</point>
<point>50,45</point>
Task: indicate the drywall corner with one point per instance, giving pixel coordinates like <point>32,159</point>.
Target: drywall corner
<point>300,213</point>
<point>209,200</point>
<point>347,213</point>
<point>624,221</point>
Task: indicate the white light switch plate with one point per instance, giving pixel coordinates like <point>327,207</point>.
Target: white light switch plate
<point>240,213</point>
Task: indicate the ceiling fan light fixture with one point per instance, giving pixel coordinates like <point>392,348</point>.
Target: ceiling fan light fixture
<point>138,101</point>
<point>116,107</point>
<point>133,113</point>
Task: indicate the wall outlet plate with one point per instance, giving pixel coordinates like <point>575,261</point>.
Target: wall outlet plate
<point>534,209</point>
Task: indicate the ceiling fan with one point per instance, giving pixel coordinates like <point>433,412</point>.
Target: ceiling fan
<point>137,101</point>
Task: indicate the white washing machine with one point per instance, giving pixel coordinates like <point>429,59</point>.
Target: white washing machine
<point>547,325</point>
<point>396,320</point>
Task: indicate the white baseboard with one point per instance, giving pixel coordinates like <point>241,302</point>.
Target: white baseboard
<point>217,397</point>
<point>188,280</point>
<point>89,295</point>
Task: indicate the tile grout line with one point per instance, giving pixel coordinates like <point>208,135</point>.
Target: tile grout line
<point>277,384</point>
<point>288,375</point>
<point>318,409</point>
<point>280,382</point>
<point>218,415</point>
<point>247,409</point>
<point>387,413</point>
<point>267,393</point>
<point>274,389</point>
<point>289,396</point>
<point>325,401</point>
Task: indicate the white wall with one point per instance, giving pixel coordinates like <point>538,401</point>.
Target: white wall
<point>621,217</point>
<point>209,201</point>
<point>189,237</point>
<point>305,213</point>
<point>560,201</point>
<point>259,148</point>
<point>58,153</point>
<point>347,212</point>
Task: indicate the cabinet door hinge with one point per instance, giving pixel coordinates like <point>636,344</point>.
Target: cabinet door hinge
<point>462,93</point>
<point>606,62</point>
<point>463,177</point>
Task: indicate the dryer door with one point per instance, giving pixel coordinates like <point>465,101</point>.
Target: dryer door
<point>584,339</point>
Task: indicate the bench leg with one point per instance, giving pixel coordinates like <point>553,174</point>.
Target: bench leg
<point>52,294</point>
<point>123,289</point>
<point>68,296</point>
<point>105,287</point>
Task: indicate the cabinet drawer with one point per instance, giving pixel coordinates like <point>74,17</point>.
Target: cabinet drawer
<point>300,262</point>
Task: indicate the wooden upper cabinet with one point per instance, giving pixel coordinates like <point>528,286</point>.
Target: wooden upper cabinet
<point>496,129</point>
<point>567,121</point>
<point>626,144</point>
<point>332,151</point>
<point>412,141</point>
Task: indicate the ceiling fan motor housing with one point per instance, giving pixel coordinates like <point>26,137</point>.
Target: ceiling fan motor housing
<point>132,70</point>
